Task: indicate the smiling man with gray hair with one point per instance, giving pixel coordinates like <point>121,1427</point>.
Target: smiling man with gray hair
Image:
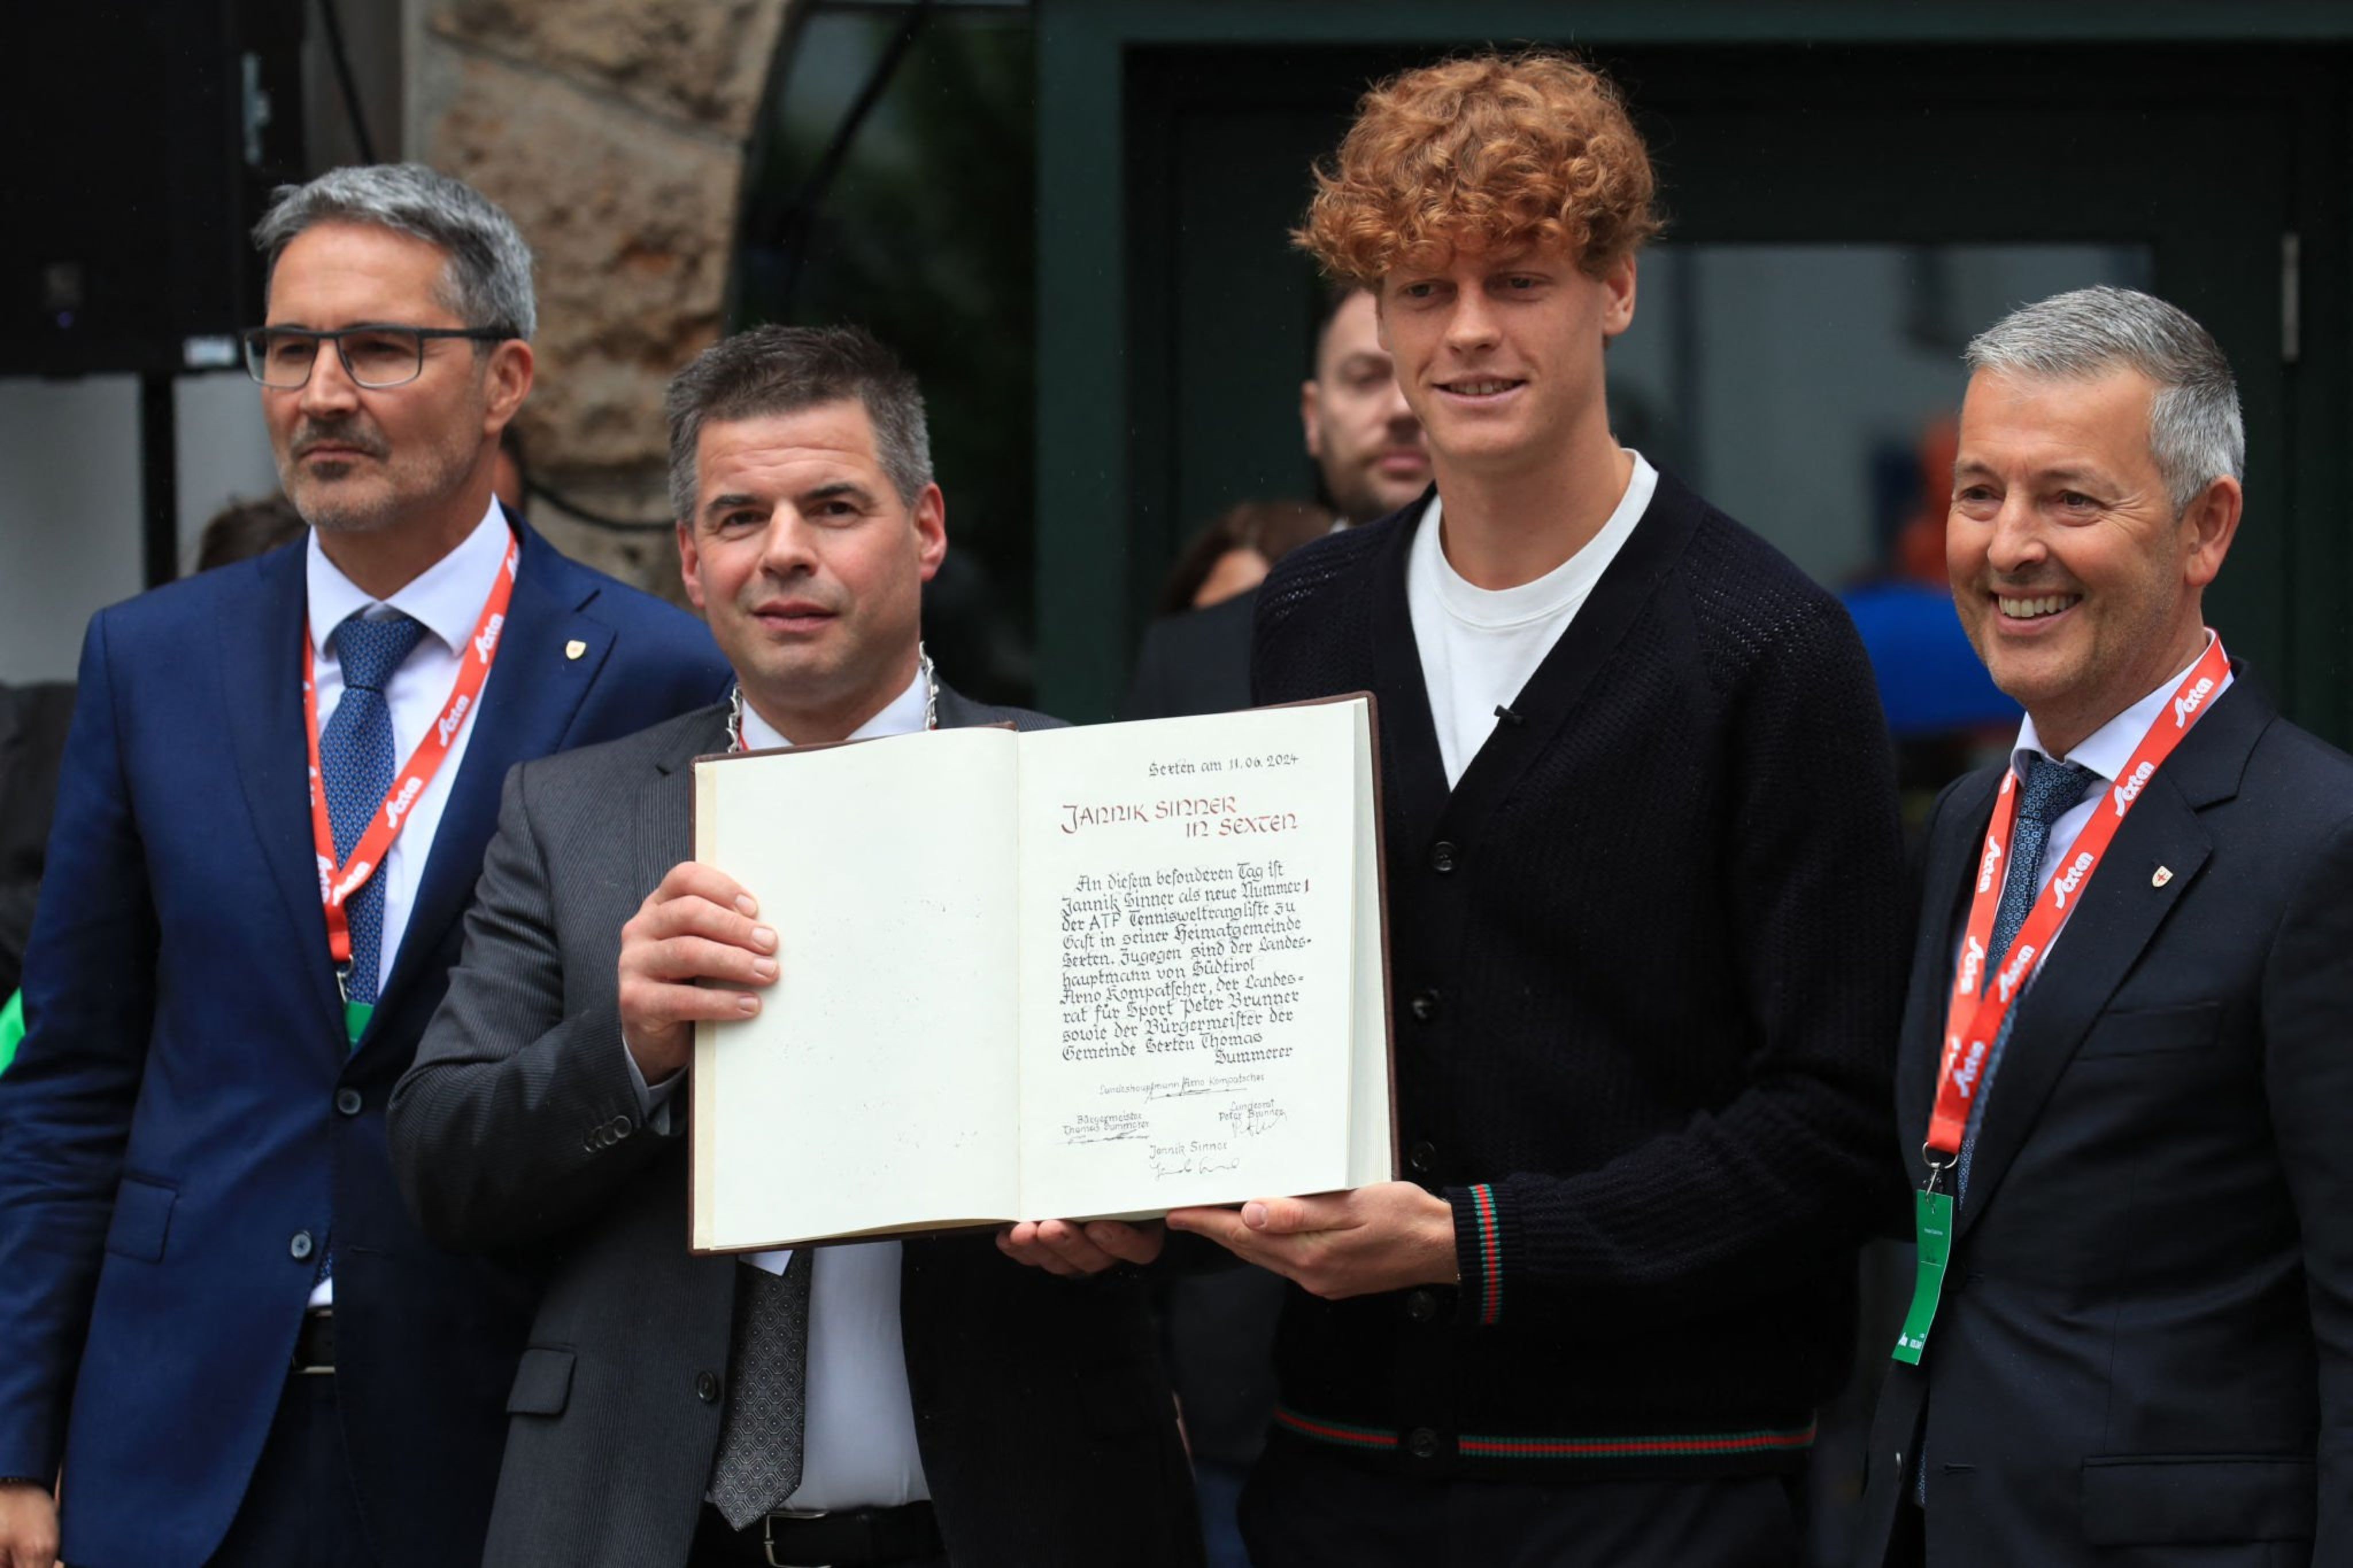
<point>220,1323</point>
<point>2124,1081</point>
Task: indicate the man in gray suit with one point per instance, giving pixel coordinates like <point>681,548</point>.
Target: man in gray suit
<point>920,1402</point>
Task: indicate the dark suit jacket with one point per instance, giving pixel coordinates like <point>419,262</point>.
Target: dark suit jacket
<point>2145,1350</point>
<point>33,721</point>
<point>187,1125</point>
<point>1198,662</point>
<point>1043,1419</point>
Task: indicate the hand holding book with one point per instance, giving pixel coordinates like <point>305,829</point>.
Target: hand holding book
<point>1384,1236</point>
<point>688,954</point>
<point>1069,1247</point>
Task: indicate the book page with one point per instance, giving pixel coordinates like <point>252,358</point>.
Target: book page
<point>1372,1152</point>
<point>875,1090</point>
<point>1188,1024</point>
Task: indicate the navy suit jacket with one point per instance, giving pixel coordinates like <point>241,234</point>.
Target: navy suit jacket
<point>2144,1352</point>
<point>186,1125</point>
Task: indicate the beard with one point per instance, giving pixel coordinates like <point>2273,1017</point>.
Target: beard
<point>375,491</point>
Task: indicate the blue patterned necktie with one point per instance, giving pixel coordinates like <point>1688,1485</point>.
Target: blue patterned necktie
<point>2050,789</point>
<point>758,1464</point>
<point>355,769</point>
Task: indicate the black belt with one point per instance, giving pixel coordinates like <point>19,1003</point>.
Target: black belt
<point>314,1342</point>
<point>849,1538</point>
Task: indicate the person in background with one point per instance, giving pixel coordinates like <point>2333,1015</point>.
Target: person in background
<point>1646,905</point>
<point>1370,459</point>
<point>2124,1081</point>
<point>220,1324</point>
<point>244,528</point>
<point>1233,551</point>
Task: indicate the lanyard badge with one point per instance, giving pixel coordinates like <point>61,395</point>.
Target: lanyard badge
<point>1987,986</point>
<point>338,882</point>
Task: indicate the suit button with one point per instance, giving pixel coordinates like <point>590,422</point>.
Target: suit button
<point>1421,1306</point>
<point>1442,857</point>
<point>1422,1443</point>
<point>348,1102</point>
<point>706,1387</point>
<point>622,1127</point>
<point>1423,1156</point>
<point>1424,1006</point>
<point>301,1246</point>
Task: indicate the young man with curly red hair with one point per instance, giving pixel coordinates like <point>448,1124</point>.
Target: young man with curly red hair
<point>1646,905</point>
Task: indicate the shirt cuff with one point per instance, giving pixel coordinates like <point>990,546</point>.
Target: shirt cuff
<point>1479,1252</point>
<point>653,1100</point>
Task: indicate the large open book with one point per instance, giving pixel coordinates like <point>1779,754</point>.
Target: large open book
<point>1071,974</point>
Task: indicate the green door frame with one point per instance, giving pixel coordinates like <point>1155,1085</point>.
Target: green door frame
<point>1088,414</point>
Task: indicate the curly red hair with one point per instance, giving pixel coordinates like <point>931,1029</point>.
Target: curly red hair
<point>1491,151</point>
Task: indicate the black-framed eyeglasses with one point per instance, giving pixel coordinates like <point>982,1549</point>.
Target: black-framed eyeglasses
<point>374,357</point>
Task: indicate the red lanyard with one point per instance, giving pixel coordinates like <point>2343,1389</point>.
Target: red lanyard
<point>1983,998</point>
<point>338,883</point>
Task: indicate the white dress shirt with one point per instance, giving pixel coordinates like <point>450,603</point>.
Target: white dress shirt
<point>857,1438</point>
<point>446,598</point>
<point>1479,646</point>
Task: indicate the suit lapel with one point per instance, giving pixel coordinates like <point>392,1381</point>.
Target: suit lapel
<point>1414,779</point>
<point>535,688</point>
<point>261,703</point>
<point>665,825</point>
<point>2121,912</point>
<point>1953,855</point>
<point>1560,681</point>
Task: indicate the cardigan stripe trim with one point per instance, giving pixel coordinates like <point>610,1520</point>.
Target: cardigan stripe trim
<point>1379,1440</point>
<point>1491,1247</point>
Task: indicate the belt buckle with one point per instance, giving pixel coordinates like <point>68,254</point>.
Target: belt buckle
<point>768,1528</point>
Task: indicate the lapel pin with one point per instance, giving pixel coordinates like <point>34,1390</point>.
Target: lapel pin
<point>575,648</point>
<point>2163,875</point>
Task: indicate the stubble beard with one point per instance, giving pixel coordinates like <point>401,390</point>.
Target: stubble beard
<point>404,486</point>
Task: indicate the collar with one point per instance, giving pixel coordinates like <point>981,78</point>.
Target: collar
<point>445,598</point>
<point>903,715</point>
<point>2108,749</point>
<point>1570,581</point>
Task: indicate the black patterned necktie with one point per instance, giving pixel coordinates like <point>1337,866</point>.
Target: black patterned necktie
<point>356,768</point>
<point>758,1464</point>
<point>2050,789</point>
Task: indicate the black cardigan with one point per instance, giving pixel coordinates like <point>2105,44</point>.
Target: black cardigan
<point>1647,966</point>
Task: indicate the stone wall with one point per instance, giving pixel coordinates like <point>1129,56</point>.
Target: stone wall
<point>615,132</point>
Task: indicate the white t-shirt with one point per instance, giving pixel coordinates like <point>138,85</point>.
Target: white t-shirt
<point>1480,646</point>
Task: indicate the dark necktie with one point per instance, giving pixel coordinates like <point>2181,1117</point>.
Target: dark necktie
<point>2050,789</point>
<point>356,768</point>
<point>758,1464</point>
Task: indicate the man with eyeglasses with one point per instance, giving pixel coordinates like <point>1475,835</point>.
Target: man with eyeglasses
<point>220,1322</point>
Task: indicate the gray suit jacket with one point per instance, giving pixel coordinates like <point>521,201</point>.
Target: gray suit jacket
<point>1042,1410</point>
